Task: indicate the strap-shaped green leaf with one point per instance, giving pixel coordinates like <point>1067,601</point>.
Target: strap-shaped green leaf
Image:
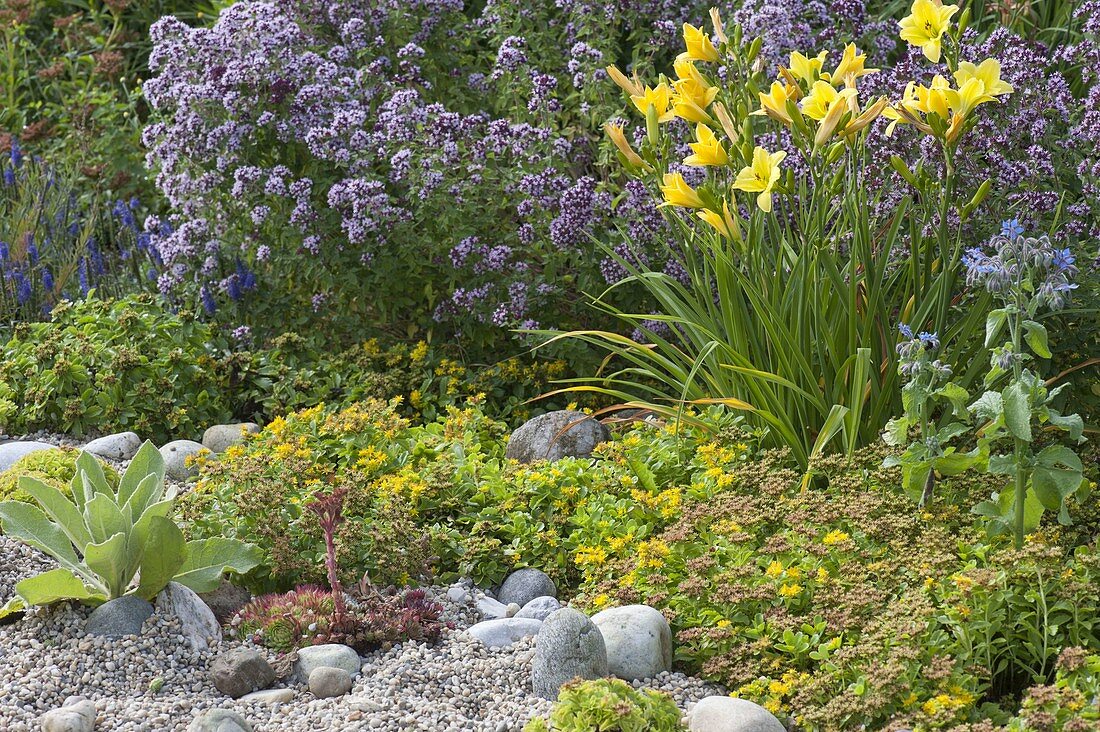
<point>104,518</point>
<point>59,508</point>
<point>208,559</point>
<point>54,586</point>
<point>108,560</point>
<point>148,461</point>
<point>164,553</point>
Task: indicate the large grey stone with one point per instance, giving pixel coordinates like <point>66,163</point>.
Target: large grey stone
<point>728,714</point>
<point>334,655</point>
<point>76,715</point>
<point>503,632</point>
<point>525,585</point>
<point>118,617</point>
<point>219,720</point>
<point>10,452</point>
<point>638,640</point>
<point>567,646</point>
<point>540,608</point>
<point>197,621</point>
<point>176,454</point>
<point>119,446</point>
<point>555,435</point>
<point>240,671</point>
<point>221,437</point>
<point>326,681</point>
<point>491,609</point>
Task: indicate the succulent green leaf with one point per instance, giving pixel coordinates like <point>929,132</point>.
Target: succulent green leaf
<point>208,559</point>
<point>104,518</point>
<point>59,508</point>
<point>54,586</point>
<point>1017,410</point>
<point>148,461</point>
<point>108,560</point>
<point>163,556</point>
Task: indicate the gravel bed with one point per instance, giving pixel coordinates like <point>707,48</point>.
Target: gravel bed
<point>456,684</point>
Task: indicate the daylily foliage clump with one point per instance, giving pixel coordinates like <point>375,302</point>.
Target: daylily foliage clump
<point>790,291</point>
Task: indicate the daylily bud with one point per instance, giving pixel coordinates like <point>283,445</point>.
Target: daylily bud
<point>724,120</point>
<point>652,126</point>
<point>903,170</point>
<point>868,116</point>
<point>719,30</point>
<point>835,151</point>
<point>754,48</point>
<point>981,193</point>
<point>964,21</point>
<point>628,85</point>
<point>615,132</point>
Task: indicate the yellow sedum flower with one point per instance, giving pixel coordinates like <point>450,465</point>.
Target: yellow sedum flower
<point>790,590</point>
<point>698,45</point>
<point>677,192</point>
<point>925,25</point>
<point>659,97</point>
<point>761,176</point>
<point>707,151</point>
<point>835,537</point>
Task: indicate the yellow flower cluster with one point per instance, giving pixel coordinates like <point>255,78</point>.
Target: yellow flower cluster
<point>590,556</point>
<point>815,101</point>
<point>667,502</point>
<point>652,554</point>
<point>835,537</point>
<point>405,484</point>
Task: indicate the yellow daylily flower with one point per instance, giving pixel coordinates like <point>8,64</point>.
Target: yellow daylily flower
<point>693,93</point>
<point>677,192</point>
<point>761,176</point>
<point>631,86</point>
<point>822,99</point>
<point>698,45</point>
<point>851,66</point>
<point>988,72</point>
<point>932,99</point>
<point>774,103</point>
<point>723,223</point>
<point>615,132</point>
<point>925,25</point>
<point>707,151</point>
<point>968,96</point>
<point>660,97</point>
<point>842,104</point>
<point>906,112</point>
<point>805,69</point>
